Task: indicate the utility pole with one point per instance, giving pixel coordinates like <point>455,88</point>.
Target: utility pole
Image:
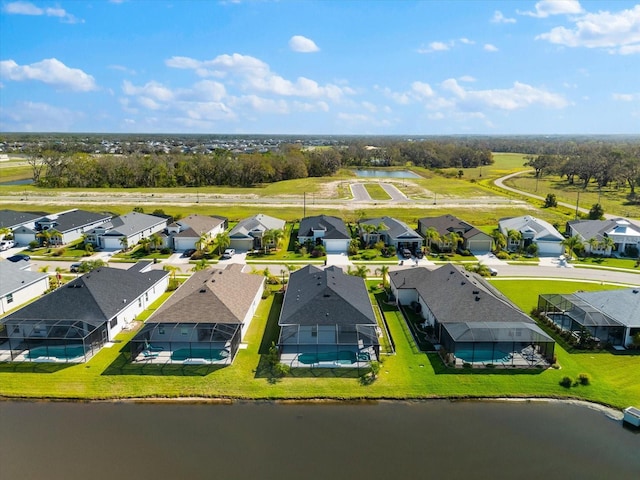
<point>578,205</point>
<point>304,204</point>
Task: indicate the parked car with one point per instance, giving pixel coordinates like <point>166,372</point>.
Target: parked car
<point>493,271</point>
<point>75,267</point>
<point>6,244</point>
<point>228,253</point>
<point>419,254</point>
<point>188,253</point>
<point>406,253</point>
<point>19,257</point>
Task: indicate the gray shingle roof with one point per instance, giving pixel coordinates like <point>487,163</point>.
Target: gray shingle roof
<point>541,229</point>
<point>211,295</point>
<point>334,226</point>
<point>13,277</point>
<point>394,228</point>
<point>94,297</point>
<point>201,223</point>
<point>74,219</point>
<point>326,297</point>
<point>455,295</point>
<point>13,219</point>
<point>133,223</point>
<point>621,305</point>
<point>257,222</point>
<point>598,228</point>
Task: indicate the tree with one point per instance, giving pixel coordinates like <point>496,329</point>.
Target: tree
<point>514,237</point>
<point>571,244</point>
<point>90,265</point>
<point>453,239</point>
<point>541,163</point>
<point>145,244</point>
<point>4,232</point>
<point>550,201</point>
<point>384,271</point>
<point>223,241</point>
<point>155,241</point>
<point>596,212</point>
<point>594,244</point>
<point>499,240</point>
<point>607,243</point>
<point>124,243</point>
<point>45,237</point>
<point>360,271</point>
<point>202,242</point>
<point>479,268</point>
<point>432,236</point>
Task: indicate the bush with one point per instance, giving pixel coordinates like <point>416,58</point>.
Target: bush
<point>550,201</point>
<point>566,382</point>
<point>59,252</point>
<point>502,255</point>
<point>583,379</point>
<point>165,251</point>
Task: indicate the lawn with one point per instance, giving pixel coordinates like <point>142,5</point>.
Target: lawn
<point>376,192</point>
<point>409,373</point>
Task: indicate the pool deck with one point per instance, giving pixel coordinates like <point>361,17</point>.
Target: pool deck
<point>524,359</point>
<point>164,357</point>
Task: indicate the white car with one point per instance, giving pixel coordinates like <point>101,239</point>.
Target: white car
<point>6,244</point>
<point>228,253</point>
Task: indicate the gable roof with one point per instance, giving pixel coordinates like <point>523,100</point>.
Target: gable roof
<point>598,229</point>
<point>527,224</point>
<point>201,223</point>
<point>218,295</point>
<point>445,224</point>
<point>621,305</point>
<point>394,228</point>
<point>13,219</point>
<point>132,223</point>
<point>74,219</point>
<point>259,222</point>
<point>334,227</point>
<point>14,277</point>
<point>327,296</point>
<point>95,297</point>
<point>456,295</point>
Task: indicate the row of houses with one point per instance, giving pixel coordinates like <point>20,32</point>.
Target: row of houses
<point>326,319</point>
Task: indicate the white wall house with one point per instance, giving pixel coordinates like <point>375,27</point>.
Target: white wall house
<point>534,230</point>
<point>133,227</point>
<point>19,285</point>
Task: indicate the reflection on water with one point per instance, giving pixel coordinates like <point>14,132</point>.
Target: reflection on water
<point>387,440</point>
<point>376,173</point>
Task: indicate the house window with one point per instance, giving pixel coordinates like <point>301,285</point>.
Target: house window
<point>160,330</point>
<point>146,296</point>
<point>184,331</point>
<point>314,331</point>
<point>16,329</point>
<point>113,322</point>
<point>140,302</point>
<point>10,298</point>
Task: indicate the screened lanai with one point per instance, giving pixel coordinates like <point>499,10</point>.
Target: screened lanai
<point>50,340</point>
<point>571,313</point>
<point>182,342</point>
<point>507,343</point>
<point>328,345</point>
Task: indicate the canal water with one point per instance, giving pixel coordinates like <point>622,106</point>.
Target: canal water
<point>386,440</point>
<point>376,173</point>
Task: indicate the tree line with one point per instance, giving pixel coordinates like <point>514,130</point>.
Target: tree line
<point>56,169</point>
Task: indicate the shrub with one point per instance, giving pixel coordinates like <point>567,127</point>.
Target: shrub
<point>165,251</point>
<point>59,252</point>
<point>33,244</point>
<point>550,201</point>
<point>584,379</point>
<point>566,382</point>
<point>502,255</point>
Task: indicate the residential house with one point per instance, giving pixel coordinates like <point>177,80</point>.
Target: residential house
<point>470,319</point>
<point>127,230</point>
<point>13,220</point>
<point>329,231</point>
<point>473,239</point>
<point>610,316</point>
<point>74,321</point>
<point>327,320</point>
<point>614,235</point>
<point>248,234</point>
<point>204,321</point>
<point>390,231</point>
<point>532,230</point>
<point>63,228</point>
<point>18,285</point>
<point>186,233</point>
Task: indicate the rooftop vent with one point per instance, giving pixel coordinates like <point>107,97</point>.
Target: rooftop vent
<point>477,299</point>
<point>476,292</point>
<point>203,290</point>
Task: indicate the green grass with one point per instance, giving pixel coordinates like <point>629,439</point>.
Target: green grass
<point>409,373</point>
<point>627,263</point>
<point>376,192</point>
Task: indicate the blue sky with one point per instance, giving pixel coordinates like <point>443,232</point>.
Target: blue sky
<point>320,67</point>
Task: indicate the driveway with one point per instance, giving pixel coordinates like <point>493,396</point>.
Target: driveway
<point>339,259</point>
<point>489,259</point>
<point>559,262</point>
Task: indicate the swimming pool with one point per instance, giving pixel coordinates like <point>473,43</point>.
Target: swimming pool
<point>482,355</point>
<point>344,357</point>
<point>61,352</point>
<point>212,354</point>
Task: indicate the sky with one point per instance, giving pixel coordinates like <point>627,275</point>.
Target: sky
<point>331,67</point>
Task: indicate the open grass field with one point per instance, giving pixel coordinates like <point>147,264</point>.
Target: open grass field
<point>409,373</point>
<point>376,192</point>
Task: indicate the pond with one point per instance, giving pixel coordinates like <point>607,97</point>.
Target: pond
<point>256,440</point>
<point>379,173</point>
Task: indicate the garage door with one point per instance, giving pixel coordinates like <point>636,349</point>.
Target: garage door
<point>479,245</point>
<point>550,248</point>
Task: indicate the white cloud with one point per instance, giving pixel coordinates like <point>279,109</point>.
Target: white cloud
<point>618,32</point>
<point>38,117</point>
<point>546,8</point>
<point>422,89</point>
<point>488,47</point>
<point>436,47</point>
<point>498,17</point>
<point>467,78</point>
<point>51,71</point>
<point>28,8</point>
<point>301,44</point>
<point>517,97</point>
<point>466,41</point>
<point>626,97</point>
<point>255,76</point>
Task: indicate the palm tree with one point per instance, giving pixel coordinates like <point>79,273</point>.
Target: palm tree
<point>202,241</point>
<point>384,271</point>
<point>200,265</point>
<point>570,244</point>
<point>145,243</point>
<point>223,241</point>
<point>594,244</point>
<point>124,242</point>
<point>514,237</point>
<point>499,240</point>
<point>4,232</point>
<point>45,237</point>
<point>277,235</point>
<point>368,230</point>
<point>361,271</point>
<point>155,241</point>
<point>608,244</point>
<point>432,236</point>
<point>453,238</point>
